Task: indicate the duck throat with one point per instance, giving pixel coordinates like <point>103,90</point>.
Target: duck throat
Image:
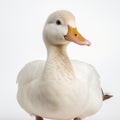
<point>58,66</point>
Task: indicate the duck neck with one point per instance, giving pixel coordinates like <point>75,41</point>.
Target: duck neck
<point>58,64</point>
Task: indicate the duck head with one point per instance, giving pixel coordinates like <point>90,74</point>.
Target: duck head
<point>60,29</point>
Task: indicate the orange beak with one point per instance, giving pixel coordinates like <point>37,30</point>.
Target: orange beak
<point>74,36</point>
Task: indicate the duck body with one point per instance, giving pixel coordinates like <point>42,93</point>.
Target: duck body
<point>59,94</point>
<point>60,88</point>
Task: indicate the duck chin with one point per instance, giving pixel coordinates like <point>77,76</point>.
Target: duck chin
<point>60,41</point>
<point>57,42</point>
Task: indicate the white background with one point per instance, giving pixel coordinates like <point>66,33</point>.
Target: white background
<point>21,24</point>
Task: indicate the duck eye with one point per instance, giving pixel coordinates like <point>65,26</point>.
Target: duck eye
<point>58,22</point>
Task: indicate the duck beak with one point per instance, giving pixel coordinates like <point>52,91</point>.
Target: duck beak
<point>74,36</point>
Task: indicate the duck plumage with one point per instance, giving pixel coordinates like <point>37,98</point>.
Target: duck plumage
<point>60,88</point>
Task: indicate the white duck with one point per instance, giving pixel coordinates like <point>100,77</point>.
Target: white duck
<point>59,88</point>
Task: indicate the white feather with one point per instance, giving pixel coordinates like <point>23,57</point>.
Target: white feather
<point>59,88</point>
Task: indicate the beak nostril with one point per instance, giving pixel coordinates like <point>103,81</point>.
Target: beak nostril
<point>75,34</point>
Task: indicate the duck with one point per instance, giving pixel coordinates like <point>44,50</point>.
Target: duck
<point>60,88</point>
